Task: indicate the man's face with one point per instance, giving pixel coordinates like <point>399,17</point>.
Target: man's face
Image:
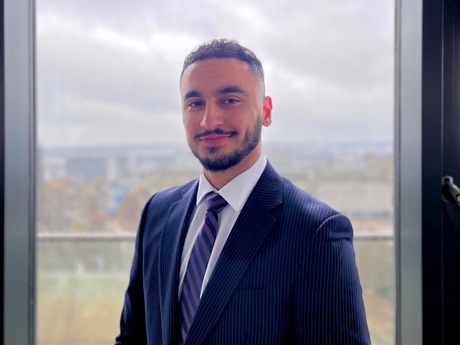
<point>223,110</point>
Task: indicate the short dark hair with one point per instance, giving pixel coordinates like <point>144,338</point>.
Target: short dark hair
<point>225,48</point>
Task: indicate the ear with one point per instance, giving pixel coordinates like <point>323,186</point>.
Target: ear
<point>267,111</point>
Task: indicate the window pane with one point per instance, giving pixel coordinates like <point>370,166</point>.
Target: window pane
<point>110,135</point>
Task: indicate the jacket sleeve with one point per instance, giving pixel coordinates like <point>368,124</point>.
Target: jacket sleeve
<point>132,323</point>
<point>329,304</point>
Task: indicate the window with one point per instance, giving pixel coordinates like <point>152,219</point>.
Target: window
<point>109,135</point>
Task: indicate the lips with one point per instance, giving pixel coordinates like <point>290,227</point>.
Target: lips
<point>215,139</point>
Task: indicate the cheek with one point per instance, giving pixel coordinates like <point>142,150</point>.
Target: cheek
<point>190,124</point>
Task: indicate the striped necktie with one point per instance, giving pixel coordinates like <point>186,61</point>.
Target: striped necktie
<point>193,280</point>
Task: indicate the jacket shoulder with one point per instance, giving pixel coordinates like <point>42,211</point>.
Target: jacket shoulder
<point>161,201</point>
<point>298,198</point>
<point>307,211</point>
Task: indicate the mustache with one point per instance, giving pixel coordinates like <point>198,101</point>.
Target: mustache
<point>215,131</point>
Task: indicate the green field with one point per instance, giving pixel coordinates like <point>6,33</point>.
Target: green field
<point>81,305</point>
<point>79,308</point>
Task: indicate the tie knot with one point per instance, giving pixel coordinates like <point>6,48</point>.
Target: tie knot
<point>215,202</point>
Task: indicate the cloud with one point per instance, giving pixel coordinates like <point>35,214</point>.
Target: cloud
<point>109,69</point>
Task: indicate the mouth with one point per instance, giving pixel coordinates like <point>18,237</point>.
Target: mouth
<point>215,140</point>
<point>216,137</point>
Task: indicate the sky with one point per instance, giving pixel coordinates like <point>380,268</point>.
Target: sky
<point>108,70</point>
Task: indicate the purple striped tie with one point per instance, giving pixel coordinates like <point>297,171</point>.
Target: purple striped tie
<point>198,262</point>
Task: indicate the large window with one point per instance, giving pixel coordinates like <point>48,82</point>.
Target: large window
<point>110,135</point>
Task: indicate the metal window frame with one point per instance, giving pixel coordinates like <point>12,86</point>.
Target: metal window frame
<point>18,184</point>
<point>408,174</point>
<point>2,164</point>
<point>427,148</point>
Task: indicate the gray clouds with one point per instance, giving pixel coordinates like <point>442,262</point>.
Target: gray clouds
<point>107,71</point>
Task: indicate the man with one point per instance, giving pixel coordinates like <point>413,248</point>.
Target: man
<point>281,269</point>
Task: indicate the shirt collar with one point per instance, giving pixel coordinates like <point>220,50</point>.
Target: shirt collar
<point>237,191</point>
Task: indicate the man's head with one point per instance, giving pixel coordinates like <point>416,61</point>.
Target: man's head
<point>225,48</point>
<point>224,106</point>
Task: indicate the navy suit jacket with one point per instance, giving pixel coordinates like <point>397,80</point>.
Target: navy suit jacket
<point>286,275</point>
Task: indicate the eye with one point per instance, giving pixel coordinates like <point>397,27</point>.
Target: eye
<point>231,101</point>
<point>194,104</point>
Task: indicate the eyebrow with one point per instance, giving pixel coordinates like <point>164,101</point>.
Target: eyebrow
<point>192,94</point>
<point>231,89</point>
<point>222,91</point>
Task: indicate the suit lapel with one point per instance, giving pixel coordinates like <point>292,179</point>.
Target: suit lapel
<point>170,259</point>
<point>251,228</point>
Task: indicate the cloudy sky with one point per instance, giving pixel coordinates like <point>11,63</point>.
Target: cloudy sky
<point>108,70</point>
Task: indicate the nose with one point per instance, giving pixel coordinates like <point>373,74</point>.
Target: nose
<point>213,117</point>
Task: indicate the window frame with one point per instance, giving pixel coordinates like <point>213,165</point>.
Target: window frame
<point>408,174</point>
<point>2,161</point>
<point>421,27</point>
<point>426,144</point>
<point>18,146</point>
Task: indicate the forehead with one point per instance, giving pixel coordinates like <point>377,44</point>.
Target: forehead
<point>217,73</point>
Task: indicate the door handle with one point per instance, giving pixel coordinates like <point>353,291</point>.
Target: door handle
<point>450,191</point>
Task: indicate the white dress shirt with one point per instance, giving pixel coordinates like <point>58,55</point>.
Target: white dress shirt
<point>236,193</point>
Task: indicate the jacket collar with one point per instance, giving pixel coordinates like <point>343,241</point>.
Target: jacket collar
<point>172,242</point>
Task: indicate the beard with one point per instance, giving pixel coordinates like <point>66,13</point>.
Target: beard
<point>229,160</point>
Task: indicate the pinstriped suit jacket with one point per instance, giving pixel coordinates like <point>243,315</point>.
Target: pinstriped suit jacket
<point>287,273</point>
